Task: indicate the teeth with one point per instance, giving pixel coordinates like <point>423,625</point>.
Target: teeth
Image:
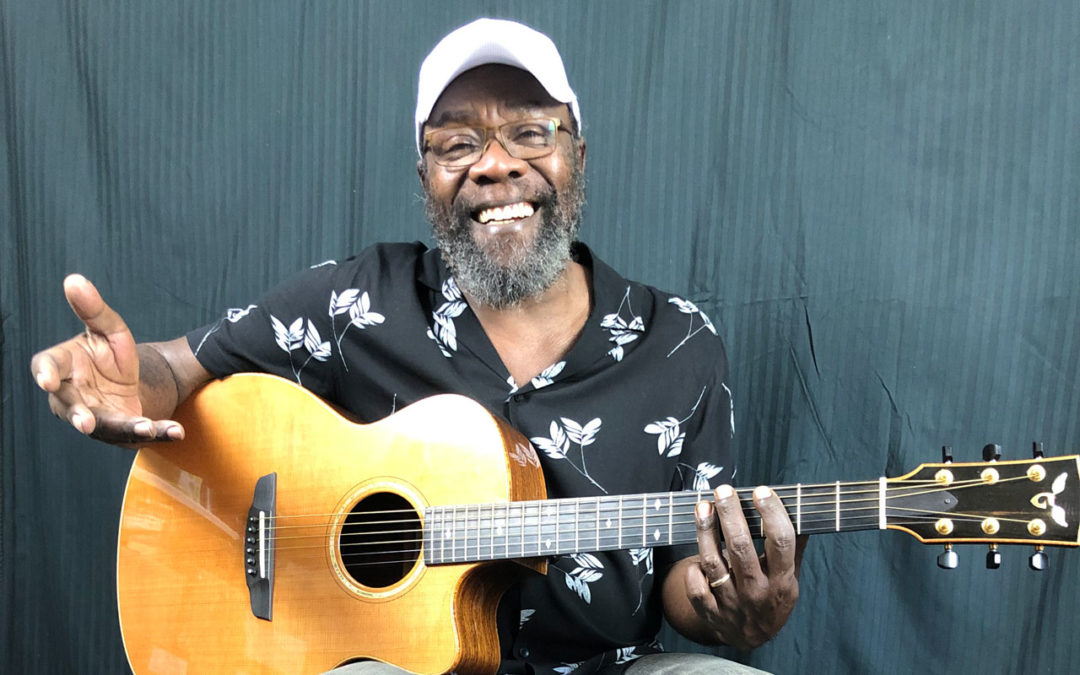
<point>508,212</point>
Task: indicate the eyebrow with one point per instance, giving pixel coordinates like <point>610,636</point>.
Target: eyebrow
<point>465,116</point>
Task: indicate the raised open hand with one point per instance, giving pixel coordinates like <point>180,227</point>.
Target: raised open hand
<point>93,378</point>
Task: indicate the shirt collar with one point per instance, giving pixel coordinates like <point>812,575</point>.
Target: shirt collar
<point>612,315</point>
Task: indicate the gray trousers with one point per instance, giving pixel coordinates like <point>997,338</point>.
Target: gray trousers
<point>653,664</point>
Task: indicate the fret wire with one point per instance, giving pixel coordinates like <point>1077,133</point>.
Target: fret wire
<point>837,506</point>
<point>522,509</point>
<point>670,514</point>
<point>577,519</point>
<point>558,537</point>
<point>645,513</point>
<point>620,521</point>
<point>798,508</point>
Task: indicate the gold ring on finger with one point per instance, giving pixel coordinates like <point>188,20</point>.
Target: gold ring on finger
<point>721,581</point>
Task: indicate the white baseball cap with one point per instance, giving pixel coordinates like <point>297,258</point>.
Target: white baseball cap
<point>487,41</point>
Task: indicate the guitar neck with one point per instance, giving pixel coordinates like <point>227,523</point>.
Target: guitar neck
<point>477,532</point>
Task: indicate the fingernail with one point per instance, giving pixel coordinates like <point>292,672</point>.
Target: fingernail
<point>175,433</point>
<point>77,421</point>
<point>40,378</point>
<point>725,492</point>
<point>703,510</point>
<point>762,492</point>
<point>144,428</point>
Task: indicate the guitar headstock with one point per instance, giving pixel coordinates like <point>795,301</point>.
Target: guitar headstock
<point>1033,501</point>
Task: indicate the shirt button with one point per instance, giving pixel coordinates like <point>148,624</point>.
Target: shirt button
<point>523,651</point>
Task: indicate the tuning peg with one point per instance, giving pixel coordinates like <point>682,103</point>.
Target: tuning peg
<point>993,558</point>
<point>1037,450</point>
<point>991,452</point>
<point>1038,560</point>
<point>948,559</point>
<point>946,454</point>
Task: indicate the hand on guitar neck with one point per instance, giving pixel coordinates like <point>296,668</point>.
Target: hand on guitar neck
<point>109,387</point>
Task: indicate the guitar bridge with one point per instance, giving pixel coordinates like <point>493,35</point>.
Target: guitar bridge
<point>259,547</point>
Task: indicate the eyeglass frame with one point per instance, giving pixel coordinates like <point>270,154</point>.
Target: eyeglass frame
<point>493,134</point>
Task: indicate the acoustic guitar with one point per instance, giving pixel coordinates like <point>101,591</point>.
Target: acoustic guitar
<point>280,537</point>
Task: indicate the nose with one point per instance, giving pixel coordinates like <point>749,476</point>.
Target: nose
<point>496,164</point>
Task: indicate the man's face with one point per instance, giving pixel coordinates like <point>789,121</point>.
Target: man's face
<point>505,225</point>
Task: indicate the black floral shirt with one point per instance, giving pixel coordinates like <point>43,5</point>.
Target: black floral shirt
<point>639,404</point>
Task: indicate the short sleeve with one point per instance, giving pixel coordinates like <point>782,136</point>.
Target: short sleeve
<point>283,333</point>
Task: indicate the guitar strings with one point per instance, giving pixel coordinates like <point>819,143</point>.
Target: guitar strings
<point>629,511</point>
<point>828,489</point>
<point>487,553</point>
<point>743,494</point>
<point>631,515</point>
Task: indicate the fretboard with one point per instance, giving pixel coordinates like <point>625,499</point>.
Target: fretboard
<point>476,532</point>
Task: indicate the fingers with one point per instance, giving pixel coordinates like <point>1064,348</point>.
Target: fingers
<point>87,304</point>
<point>780,546</point>
<point>113,427</point>
<point>50,368</point>
<point>710,559</point>
<point>742,556</point>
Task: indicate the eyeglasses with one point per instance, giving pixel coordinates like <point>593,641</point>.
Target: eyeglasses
<point>458,147</point>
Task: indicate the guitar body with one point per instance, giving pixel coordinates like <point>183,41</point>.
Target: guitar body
<point>182,568</point>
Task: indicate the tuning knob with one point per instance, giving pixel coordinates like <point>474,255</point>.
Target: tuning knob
<point>948,559</point>
<point>946,454</point>
<point>1037,450</point>
<point>1038,560</point>
<point>993,558</point>
<point>992,452</point>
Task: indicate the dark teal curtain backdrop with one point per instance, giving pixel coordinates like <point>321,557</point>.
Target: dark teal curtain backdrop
<point>876,201</point>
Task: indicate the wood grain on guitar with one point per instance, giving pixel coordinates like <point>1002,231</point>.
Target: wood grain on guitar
<point>394,541</point>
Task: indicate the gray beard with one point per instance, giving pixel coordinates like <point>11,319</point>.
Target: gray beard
<point>530,269</point>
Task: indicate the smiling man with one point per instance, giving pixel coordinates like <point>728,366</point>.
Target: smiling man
<point>621,388</point>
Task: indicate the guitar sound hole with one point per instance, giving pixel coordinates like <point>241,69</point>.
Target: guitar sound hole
<point>380,540</point>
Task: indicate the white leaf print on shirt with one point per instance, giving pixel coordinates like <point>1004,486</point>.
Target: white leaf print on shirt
<point>588,569</point>
<point>642,555</point>
<point>567,668</point>
<point>557,446</point>
<point>622,331</point>
<point>548,375</point>
<point>669,433</point>
<point>358,306</point>
<point>525,615</point>
<point>295,337</point>
<point>687,307</point>
<point>627,654</point>
<point>702,473</point>
<point>443,332</point>
<point>232,315</point>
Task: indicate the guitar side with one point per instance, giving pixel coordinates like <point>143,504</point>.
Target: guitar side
<point>181,588</point>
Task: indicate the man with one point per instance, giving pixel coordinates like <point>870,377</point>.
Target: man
<point>620,387</point>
